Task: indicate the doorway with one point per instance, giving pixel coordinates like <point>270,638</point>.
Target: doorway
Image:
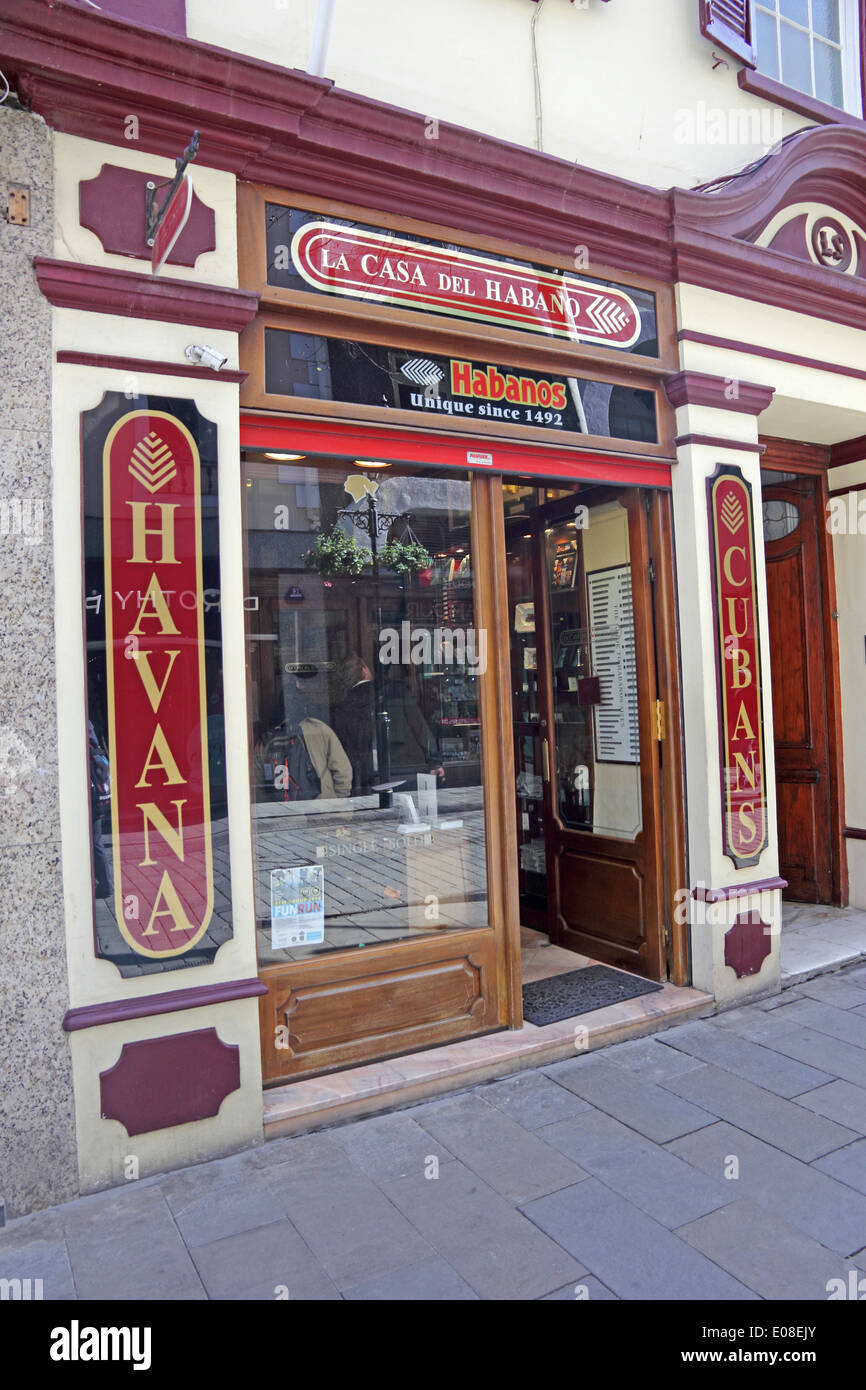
<point>587,721</point>
<point>802,715</point>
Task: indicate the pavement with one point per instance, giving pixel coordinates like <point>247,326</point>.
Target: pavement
<point>723,1159</point>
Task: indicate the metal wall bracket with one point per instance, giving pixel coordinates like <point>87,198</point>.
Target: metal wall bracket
<point>152,217</point>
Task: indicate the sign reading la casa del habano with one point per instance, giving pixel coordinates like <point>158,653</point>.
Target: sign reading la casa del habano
<point>155,682</point>
<point>741,731</point>
<point>384,267</point>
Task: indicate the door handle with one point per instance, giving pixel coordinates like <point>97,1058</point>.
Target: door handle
<point>545,759</point>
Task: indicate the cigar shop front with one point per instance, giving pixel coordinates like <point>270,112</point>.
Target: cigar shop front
<point>460,623</point>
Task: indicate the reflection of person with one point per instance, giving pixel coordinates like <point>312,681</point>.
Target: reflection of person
<point>355,721</point>
<point>100,800</point>
<point>413,747</point>
<point>325,756</point>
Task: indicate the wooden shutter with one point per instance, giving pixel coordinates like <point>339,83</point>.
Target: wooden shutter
<point>731,25</point>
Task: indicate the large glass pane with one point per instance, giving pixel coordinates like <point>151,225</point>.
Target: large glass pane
<point>597,765</point>
<point>828,73</point>
<point>365,665</point>
<point>768,44</point>
<point>798,10</point>
<point>825,19</point>
<point>796,59</point>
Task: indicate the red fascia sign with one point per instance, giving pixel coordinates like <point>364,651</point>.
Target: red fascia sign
<point>738,654</point>
<point>391,270</point>
<point>172,223</point>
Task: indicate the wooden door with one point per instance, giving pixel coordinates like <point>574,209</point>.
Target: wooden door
<point>600,754</point>
<point>797,663</point>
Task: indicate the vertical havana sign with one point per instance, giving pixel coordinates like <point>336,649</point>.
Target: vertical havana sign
<point>741,727</point>
<point>151,709</point>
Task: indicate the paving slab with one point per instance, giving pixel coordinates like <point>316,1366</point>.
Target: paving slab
<point>511,1160</point>
<point>830,989</point>
<point>784,1123</point>
<point>825,1018</point>
<point>225,1210</point>
<point>631,1254</point>
<point>350,1226</point>
<point>431,1281</point>
<point>534,1100</point>
<point>642,1105</point>
<point>813,1201</point>
<point>46,1261</point>
<point>649,1059</point>
<point>270,1263</point>
<point>772,1070</point>
<point>766,1253</point>
<point>839,1059</point>
<point>840,1101</point>
<point>586,1290</point>
<point>651,1177</point>
<point>128,1247</point>
<point>390,1146</point>
<point>848,1165</point>
<point>499,1252</point>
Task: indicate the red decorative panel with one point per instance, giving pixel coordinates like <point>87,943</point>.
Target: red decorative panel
<point>162,1082</point>
<point>747,944</point>
<point>112,206</point>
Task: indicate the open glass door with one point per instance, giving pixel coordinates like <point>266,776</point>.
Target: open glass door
<point>597,728</point>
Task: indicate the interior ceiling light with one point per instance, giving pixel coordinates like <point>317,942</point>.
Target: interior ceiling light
<point>370,463</point>
<point>285,458</point>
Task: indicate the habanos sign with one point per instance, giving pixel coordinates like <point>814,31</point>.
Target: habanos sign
<point>741,734</point>
<point>371,265</point>
<point>155,683</point>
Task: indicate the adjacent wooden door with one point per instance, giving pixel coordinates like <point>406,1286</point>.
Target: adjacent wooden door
<point>798,666</point>
<point>599,731</point>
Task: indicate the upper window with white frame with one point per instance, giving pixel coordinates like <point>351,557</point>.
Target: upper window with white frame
<point>813,46</point>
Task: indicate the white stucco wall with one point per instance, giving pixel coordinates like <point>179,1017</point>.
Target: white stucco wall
<point>629,87</point>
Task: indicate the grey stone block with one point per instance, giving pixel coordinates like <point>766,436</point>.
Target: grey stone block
<point>351,1228</point>
<point>44,1260</point>
<point>848,1165</point>
<point>513,1161</point>
<point>812,1201</point>
<point>830,989</point>
<point>533,1100</point>
<point>751,1061</point>
<point>269,1263</point>
<point>837,1059</point>
<point>824,1018</point>
<point>431,1281</point>
<point>781,1122</point>
<point>840,1101</point>
<point>766,1253</point>
<point>631,1254</point>
<point>586,1290</point>
<point>389,1146</point>
<point>639,1104</point>
<point>499,1252</point>
<point>127,1246</point>
<point>667,1189</point>
<point>649,1059</point>
<point>228,1209</point>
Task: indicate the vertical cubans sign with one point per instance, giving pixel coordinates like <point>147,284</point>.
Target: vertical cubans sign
<point>741,733</point>
<point>150,713</point>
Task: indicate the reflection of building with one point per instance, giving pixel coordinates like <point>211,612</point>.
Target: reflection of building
<point>553,363</point>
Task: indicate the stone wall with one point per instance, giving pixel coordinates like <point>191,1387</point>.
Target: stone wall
<point>38,1164</point>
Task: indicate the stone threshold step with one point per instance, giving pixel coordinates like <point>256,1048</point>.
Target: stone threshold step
<point>319,1101</point>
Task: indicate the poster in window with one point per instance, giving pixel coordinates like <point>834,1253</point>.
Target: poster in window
<point>611,617</point>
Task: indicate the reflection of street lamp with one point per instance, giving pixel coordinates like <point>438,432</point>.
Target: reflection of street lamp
<point>373,522</point>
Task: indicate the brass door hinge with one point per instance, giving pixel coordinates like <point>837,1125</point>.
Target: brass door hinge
<point>659,720</point>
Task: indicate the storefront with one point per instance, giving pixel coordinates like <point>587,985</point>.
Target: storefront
<point>456,467</point>
<point>420,598</point>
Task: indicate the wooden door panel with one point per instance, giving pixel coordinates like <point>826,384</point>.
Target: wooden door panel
<point>601,907</point>
<point>798,676</point>
<point>377,1002</point>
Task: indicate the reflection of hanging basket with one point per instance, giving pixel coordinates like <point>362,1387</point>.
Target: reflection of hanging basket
<point>336,553</point>
<point>405,557</point>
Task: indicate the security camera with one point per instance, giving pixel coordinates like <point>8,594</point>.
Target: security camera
<point>206,355</point>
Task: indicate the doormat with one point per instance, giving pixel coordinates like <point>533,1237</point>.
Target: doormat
<point>579,992</point>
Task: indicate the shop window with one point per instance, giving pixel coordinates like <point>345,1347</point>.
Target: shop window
<point>365,670</point>
<point>812,46</point>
